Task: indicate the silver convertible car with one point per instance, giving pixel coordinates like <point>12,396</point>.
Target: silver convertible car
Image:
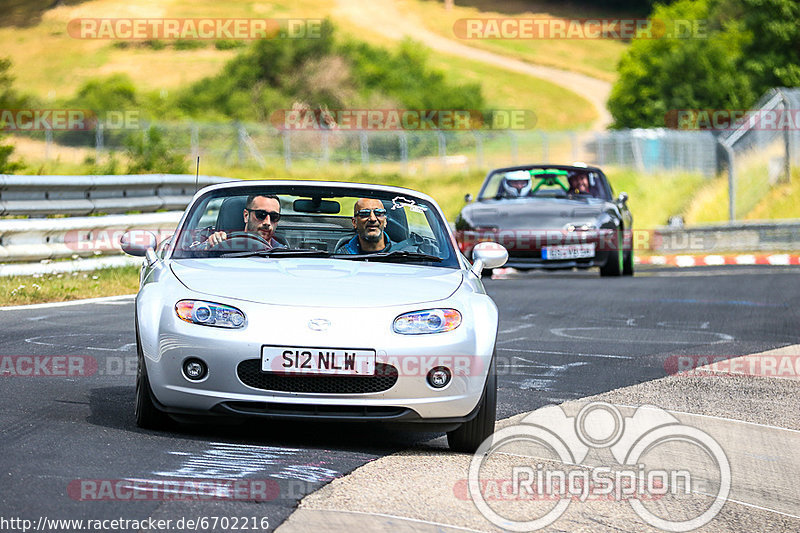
<point>316,300</point>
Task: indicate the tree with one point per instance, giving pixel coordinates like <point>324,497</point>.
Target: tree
<point>771,57</point>
<point>747,47</point>
<point>9,99</point>
<point>151,153</point>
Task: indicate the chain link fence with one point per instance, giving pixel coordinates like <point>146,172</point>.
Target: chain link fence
<point>755,157</point>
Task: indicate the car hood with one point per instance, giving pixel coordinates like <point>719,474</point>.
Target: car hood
<point>532,213</point>
<point>317,282</point>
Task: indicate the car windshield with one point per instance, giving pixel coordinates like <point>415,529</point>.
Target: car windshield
<point>315,222</point>
<point>545,183</point>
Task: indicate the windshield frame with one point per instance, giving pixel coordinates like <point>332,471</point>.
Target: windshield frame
<point>326,190</point>
<point>604,186</point>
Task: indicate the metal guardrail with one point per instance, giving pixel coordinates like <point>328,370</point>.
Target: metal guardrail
<point>74,237</point>
<point>744,236</point>
<point>85,195</point>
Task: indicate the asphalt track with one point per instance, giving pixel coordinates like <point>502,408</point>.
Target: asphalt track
<point>563,337</point>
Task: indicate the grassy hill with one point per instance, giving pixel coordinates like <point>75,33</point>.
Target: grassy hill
<point>52,65</point>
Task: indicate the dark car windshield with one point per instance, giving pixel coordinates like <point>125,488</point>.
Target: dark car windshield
<point>545,183</point>
<point>313,222</point>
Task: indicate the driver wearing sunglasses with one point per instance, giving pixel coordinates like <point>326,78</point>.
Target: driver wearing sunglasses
<point>369,221</point>
<point>261,216</point>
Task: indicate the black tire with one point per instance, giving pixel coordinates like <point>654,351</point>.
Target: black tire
<point>627,264</point>
<point>470,435</point>
<point>613,266</point>
<point>148,416</point>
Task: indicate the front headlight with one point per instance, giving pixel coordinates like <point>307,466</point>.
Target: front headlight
<point>209,314</point>
<point>427,321</point>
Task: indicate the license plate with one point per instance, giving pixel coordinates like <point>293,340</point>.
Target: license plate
<point>569,251</point>
<point>301,360</point>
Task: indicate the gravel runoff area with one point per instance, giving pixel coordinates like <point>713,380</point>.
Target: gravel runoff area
<point>754,418</point>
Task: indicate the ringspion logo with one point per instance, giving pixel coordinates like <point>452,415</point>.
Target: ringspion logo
<point>655,457</point>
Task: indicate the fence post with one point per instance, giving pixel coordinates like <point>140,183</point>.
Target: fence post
<point>404,151</point>
<point>364,144</point>
<point>239,143</point>
<point>326,152</point>
<point>195,140</point>
<point>731,182</point>
<point>442,147</point>
<point>478,147</point>
<point>287,148</point>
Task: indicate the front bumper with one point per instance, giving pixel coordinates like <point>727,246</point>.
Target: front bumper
<point>467,350</point>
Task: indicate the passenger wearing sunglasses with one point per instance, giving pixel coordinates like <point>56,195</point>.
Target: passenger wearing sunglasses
<point>261,216</point>
<point>369,221</point>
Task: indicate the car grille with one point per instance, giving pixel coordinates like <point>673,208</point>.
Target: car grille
<point>249,372</point>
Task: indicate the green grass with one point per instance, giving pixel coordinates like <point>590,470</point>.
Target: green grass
<point>653,198</point>
<point>782,201</point>
<point>51,65</point>
<point>752,188</point>
<point>555,108</point>
<point>23,290</point>
<point>595,57</point>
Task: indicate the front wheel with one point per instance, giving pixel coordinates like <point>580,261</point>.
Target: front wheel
<point>627,264</point>
<point>148,416</point>
<point>469,436</point>
<point>613,266</point>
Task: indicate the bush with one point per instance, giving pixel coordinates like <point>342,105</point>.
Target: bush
<point>188,44</point>
<point>228,44</point>
<point>150,152</point>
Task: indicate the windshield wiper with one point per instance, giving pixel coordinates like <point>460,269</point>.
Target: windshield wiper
<point>281,252</point>
<point>399,256</point>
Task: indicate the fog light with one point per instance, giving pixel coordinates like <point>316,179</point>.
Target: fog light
<point>439,377</point>
<point>194,369</point>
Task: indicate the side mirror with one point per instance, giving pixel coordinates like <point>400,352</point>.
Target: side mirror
<point>622,199</point>
<point>488,255</point>
<point>468,197</point>
<point>138,242</point>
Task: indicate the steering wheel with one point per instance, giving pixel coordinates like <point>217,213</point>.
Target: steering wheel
<point>241,241</point>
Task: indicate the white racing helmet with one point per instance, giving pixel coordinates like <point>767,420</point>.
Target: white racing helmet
<point>516,184</point>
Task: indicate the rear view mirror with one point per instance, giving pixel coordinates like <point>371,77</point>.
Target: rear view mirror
<point>317,205</point>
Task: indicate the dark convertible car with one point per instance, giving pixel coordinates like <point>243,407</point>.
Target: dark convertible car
<point>551,216</point>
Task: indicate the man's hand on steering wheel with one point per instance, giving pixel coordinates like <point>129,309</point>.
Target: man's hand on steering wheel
<point>236,239</point>
<point>216,238</point>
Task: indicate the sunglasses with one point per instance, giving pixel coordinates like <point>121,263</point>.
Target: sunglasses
<point>365,213</point>
<point>261,214</point>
